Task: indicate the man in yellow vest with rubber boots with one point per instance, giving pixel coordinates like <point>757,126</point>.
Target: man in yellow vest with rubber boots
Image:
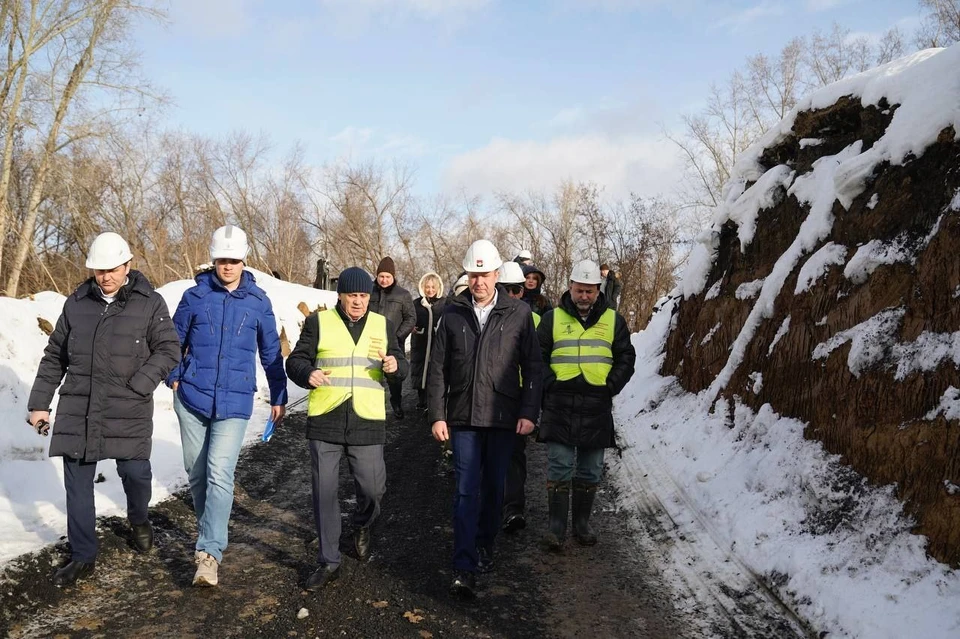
<point>346,356</point>
<point>590,357</point>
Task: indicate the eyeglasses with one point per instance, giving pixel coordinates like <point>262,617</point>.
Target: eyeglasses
<point>516,289</point>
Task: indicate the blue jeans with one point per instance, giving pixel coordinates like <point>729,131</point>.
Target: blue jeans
<point>480,460</point>
<point>210,451</point>
<point>563,460</point>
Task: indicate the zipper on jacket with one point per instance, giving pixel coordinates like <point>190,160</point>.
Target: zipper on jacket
<point>240,328</point>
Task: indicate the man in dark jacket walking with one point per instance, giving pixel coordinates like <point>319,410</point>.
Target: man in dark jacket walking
<point>587,347</point>
<point>115,343</point>
<point>395,303</point>
<point>485,342</point>
<point>345,355</point>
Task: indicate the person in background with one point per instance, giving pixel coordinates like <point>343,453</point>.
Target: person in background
<point>524,258</point>
<point>533,286</point>
<point>112,346</point>
<point>460,285</point>
<point>429,307</point>
<point>344,356</point>
<point>395,303</point>
<point>485,342</point>
<point>222,321</point>
<point>514,491</point>
<point>610,287</point>
<point>591,358</point>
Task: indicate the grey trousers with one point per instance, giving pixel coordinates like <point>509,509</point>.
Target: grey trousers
<point>369,478</point>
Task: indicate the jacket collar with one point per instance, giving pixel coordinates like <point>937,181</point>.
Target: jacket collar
<point>465,299</point>
<point>208,282</point>
<point>137,284</point>
<point>598,309</point>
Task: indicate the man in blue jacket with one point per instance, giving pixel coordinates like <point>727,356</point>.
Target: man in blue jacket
<point>222,322</point>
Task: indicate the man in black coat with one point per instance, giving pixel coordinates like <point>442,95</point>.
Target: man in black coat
<point>484,343</point>
<point>395,303</point>
<point>610,287</point>
<point>344,356</point>
<point>591,358</point>
<point>114,342</point>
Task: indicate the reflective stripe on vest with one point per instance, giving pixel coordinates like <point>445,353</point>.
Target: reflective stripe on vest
<point>582,352</point>
<point>354,370</point>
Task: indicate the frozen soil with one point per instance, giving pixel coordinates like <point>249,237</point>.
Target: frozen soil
<point>614,589</point>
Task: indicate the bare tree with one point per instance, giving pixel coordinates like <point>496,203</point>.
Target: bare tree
<point>940,26</point>
<point>80,54</point>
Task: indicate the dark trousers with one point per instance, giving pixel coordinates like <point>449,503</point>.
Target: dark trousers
<point>370,481</point>
<point>480,460</point>
<point>78,476</point>
<point>396,392</point>
<point>514,491</point>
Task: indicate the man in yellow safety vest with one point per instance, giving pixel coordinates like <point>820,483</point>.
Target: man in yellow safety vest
<point>587,347</point>
<point>346,355</point>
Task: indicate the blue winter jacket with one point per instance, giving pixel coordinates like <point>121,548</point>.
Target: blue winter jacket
<point>220,332</point>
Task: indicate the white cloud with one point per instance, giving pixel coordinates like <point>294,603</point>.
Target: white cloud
<point>737,21</point>
<point>212,18</point>
<point>353,138</point>
<point>643,165</point>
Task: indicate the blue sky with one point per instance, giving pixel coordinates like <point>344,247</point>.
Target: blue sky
<point>476,95</point>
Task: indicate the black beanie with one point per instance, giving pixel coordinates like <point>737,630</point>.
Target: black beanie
<point>354,280</point>
<point>386,265</point>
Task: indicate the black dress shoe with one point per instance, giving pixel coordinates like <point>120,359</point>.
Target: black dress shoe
<point>397,409</point>
<point>73,572</point>
<point>464,584</point>
<point>361,539</point>
<point>322,576</point>
<point>485,561</point>
<point>143,536</point>
<point>513,523</point>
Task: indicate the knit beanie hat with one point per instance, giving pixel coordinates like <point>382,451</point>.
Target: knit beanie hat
<point>354,280</point>
<point>386,265</point>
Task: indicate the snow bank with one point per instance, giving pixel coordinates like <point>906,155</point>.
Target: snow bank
<point>837,550</point>
<point>32,503</point>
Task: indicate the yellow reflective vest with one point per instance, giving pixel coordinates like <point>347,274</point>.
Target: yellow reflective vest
<point>579,351</point>
<point>355,370</point>
<point>536,320</point>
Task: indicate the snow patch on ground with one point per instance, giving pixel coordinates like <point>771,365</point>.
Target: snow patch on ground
<point>949,406</point>
<point>836,548</point>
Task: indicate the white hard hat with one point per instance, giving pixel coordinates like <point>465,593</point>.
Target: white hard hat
<point>229,242</point>
<point>108,251</point>
<point>586,272</point>
<point>482,257</point>
<point>511,273</point>
<point>461,284</point>
<point>525,255</point>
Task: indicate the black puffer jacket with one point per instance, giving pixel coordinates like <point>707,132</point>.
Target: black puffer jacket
<point>574,412</point>
<point>429,311</point>
<point>394,303</point>
<point>113,356</point>
<point>474,379</point>
<point>341,425</point>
